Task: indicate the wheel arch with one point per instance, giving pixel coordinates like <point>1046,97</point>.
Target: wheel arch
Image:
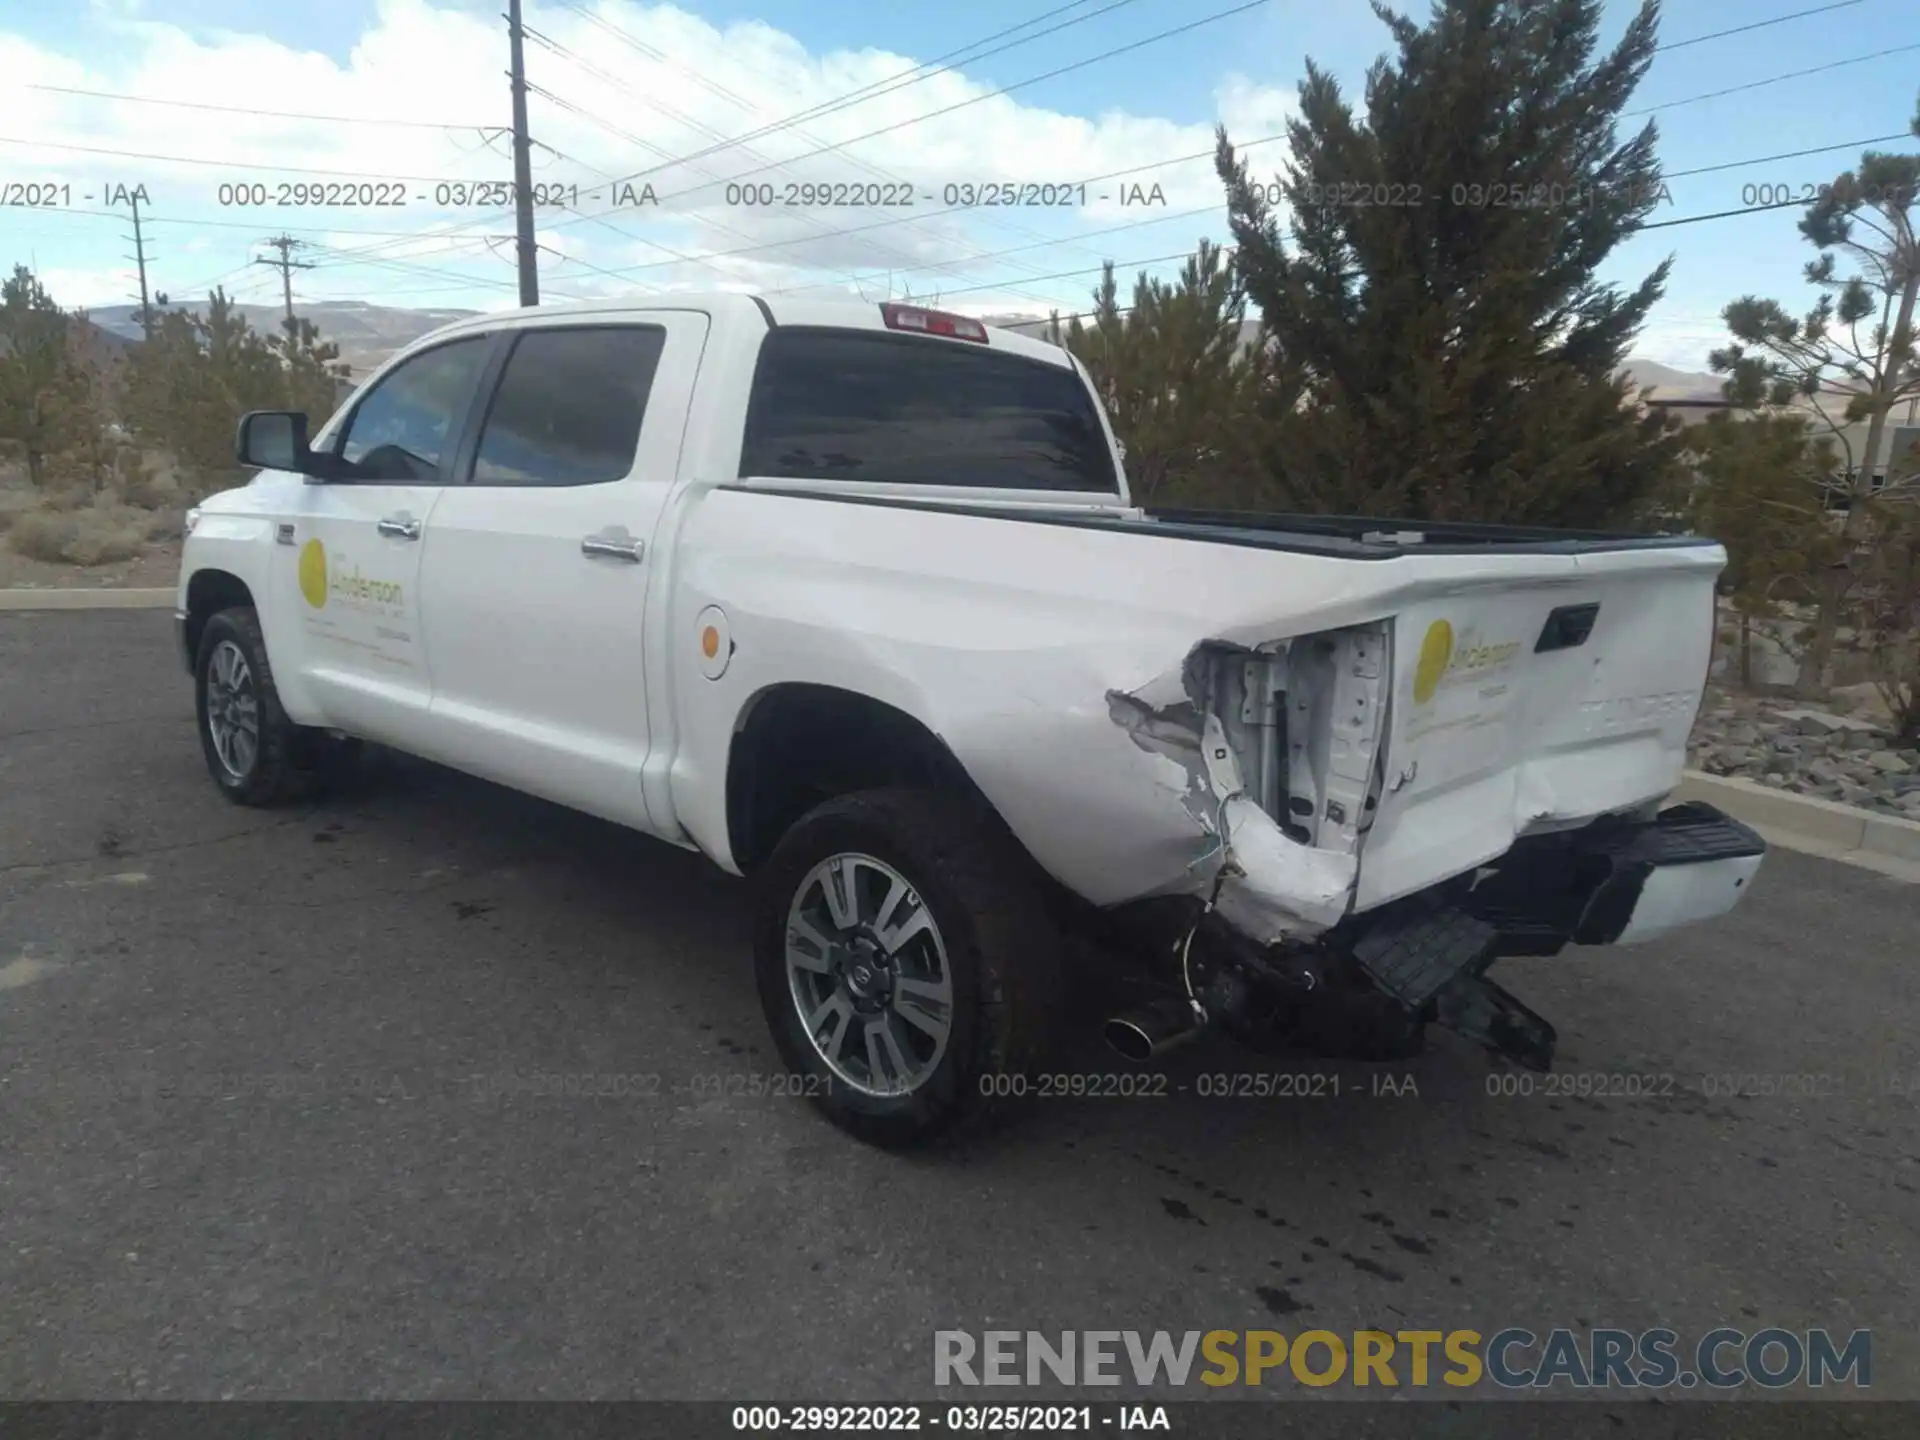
<point>209,591</point>
<point>797,744</point>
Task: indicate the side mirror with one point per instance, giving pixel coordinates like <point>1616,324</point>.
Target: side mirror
<point>274,440</point>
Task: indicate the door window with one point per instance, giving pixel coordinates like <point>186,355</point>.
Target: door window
<point>404,425</point>
<point>569,407</point>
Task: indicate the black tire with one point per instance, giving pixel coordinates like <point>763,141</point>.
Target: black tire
<point>1002,954</point>
<point>288,760</point>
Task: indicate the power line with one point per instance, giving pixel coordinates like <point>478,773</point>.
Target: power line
<point>819,230</point>
<point>1120,265</point>
<point>236,165</point>
<point>1784,155</point>
<point>906,78</point>
<point>1757,25</point>
<point>992,94</point>
<point>1772,80</point>
<point>1719,215</point>
<point>250,110</point>
<point>949,210</point>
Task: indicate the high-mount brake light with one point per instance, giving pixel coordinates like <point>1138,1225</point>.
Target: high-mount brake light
<point>933,322</point>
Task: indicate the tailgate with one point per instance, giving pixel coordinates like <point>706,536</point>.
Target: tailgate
<point>1519,707</point>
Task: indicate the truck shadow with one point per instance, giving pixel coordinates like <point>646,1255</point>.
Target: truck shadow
<point>675,903</point>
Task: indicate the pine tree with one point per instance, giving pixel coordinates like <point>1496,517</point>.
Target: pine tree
<point>1175,378</point>
<point>1436,289</point>
<point>1850,359</point>
<point>36,372</point>
<point>189,384</point>
<point>1758,492</point>
<point>312,371</point>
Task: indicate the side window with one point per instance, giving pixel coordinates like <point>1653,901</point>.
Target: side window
<point>404,425</point>
<point>569,406</point>
<point>908,410</point>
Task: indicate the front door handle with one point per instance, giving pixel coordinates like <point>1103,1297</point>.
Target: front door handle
<point>401,527</point>
<point>614,547</point>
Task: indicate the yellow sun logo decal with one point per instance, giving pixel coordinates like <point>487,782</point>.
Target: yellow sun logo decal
<point>313,573</point>
<point>1436,651</point>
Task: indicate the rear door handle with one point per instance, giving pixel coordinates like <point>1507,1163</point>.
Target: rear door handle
<point>401,527</point>
<point>614,547</point>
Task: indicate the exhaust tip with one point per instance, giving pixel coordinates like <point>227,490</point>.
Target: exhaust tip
<point>1129,1039</point>
<point>1152,1029</point>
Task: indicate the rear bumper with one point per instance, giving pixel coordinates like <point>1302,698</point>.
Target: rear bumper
<point>1618,882</point>
<point>1610,883</point>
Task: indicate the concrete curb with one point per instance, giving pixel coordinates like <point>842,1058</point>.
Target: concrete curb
<point>1812,826</point>
<point>101,598</point>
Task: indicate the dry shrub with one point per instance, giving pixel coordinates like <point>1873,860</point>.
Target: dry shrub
<point>151,491</point>
<point>91,535</point>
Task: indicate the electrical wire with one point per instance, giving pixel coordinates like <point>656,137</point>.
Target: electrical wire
<point>1190,25</point>
<point>251,110</point>
<point>1772,80</point>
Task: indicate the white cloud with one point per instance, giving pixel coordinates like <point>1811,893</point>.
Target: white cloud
<point>677,86</point>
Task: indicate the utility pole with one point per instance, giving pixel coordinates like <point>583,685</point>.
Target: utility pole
<point>286,265</point>
<point>139,257</point>
<point>524,246</point>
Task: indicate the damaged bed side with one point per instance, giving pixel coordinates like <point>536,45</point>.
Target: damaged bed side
<point>1284,750</point>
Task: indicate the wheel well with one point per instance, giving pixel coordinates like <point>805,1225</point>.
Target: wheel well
<point>208,593</point>
<point>800,745</point>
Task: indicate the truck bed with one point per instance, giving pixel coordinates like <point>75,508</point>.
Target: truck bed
<point>1343,537</point>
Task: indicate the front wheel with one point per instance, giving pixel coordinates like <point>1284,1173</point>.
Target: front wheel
<point>256,755</point>
<point>905,962</point>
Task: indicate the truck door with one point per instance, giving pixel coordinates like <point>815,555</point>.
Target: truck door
<point>349,573</point>
<point>536,575</point>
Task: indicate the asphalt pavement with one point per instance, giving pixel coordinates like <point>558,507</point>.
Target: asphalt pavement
<point>285,1112</point>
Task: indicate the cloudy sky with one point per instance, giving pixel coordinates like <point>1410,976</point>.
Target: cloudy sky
<point>215,106</point>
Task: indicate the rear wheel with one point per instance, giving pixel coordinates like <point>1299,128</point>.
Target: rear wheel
<point>905,964</point>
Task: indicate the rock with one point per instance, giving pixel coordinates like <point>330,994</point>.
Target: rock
<point>1864,698</point>
<point>1742,734</point>
<point>1776,780</point>
<point>1828,772</point>
<point>1822,722</point>
<point>1890,762</point>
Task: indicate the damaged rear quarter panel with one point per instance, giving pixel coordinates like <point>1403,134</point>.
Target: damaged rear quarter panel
<point>1010,640</point>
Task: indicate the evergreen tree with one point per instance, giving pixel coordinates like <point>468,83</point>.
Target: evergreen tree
<point>189,384</point>
<point>1850,359</point>
<point>312,371</point>
<point>37,373</point>
<point>1175,378</point>
<point>1436,292</point>
<point>1757,491</point>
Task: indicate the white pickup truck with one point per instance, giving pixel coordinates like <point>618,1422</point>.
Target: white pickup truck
<point>853,599</point>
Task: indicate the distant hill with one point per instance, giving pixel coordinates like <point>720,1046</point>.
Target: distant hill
<point>1671,384</point>
<point>366,334</point>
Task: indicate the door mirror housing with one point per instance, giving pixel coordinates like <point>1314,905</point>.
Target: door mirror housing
<point>274,440</point>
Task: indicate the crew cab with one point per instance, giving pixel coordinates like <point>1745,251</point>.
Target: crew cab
<point>853,599</point>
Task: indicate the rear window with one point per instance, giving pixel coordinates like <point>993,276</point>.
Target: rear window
<point>908,410</point>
